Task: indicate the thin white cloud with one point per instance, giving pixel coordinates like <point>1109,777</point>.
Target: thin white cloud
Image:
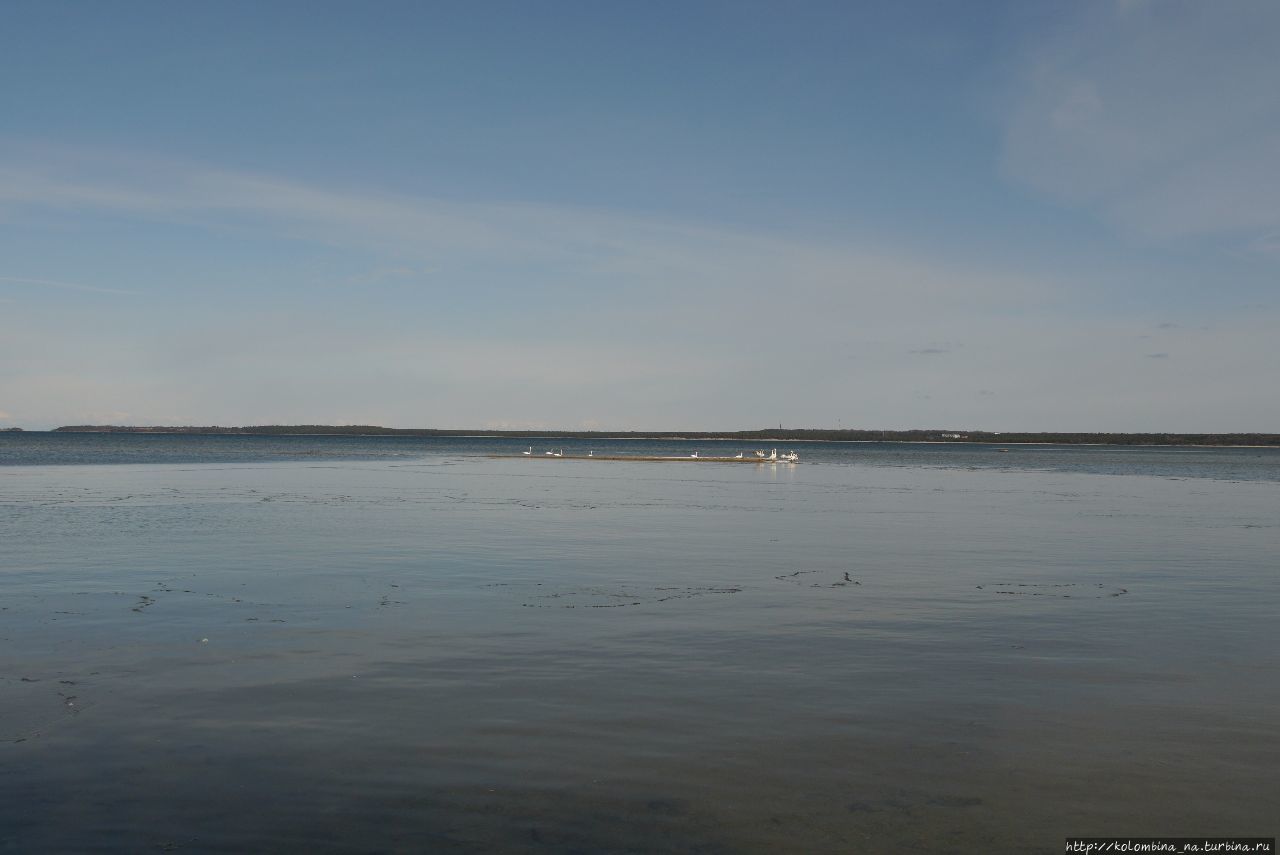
<point>1161,117</point>
<point>379,274</point>
<point>589,241</point>
<point>68,286</point>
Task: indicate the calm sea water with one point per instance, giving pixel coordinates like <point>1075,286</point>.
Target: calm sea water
<point>340,644</point>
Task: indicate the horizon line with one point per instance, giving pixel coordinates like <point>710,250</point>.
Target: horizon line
<point>943,433</point>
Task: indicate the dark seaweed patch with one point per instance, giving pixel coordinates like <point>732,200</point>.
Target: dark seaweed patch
<point>1064,590</point>
<point>603,598</point>
<point>800,577</point>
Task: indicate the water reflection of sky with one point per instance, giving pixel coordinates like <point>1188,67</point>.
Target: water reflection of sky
<point>737,658</point>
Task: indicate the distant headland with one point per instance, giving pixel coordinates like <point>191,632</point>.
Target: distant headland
<point>779,434</point>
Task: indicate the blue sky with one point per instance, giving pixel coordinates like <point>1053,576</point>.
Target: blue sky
<point>1005,216</point>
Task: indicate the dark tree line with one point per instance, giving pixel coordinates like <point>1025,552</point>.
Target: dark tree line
<point>770,434</point>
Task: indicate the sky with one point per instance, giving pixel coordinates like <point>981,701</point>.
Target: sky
<point>662,215</point>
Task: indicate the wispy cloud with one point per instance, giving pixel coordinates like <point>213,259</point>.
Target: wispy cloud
<point>669,259</point>
<point>1160,116</point>
<point>68,286</point>
<point>1268,244</point>
<point>554,315</point>
<point>937,348</point>
<point>379,274</point>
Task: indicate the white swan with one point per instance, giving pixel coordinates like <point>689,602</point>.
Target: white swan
<point>527,453</point>
<point>591,453</point>
<point>694,455</point>
<point>774,456</point>
<point>738,456</point>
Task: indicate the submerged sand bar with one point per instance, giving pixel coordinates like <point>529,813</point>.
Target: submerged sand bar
<point>639,458</point>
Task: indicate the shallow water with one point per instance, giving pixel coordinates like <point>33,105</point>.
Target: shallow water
<point>47,448</point>
<point>423,649</point>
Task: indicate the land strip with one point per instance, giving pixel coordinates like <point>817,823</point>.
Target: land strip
<point>766,435</point>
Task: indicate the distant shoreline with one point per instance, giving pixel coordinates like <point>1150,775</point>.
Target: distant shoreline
<point>933,437</point>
